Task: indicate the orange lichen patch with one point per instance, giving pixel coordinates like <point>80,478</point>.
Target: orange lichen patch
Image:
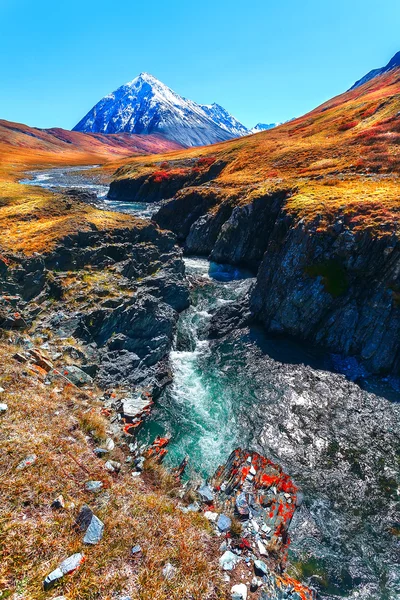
<point>346,151</point>
<point>285,581</point>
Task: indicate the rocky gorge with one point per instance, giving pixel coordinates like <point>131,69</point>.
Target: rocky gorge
<point>111,302</point>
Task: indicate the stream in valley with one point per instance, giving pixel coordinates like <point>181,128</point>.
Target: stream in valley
<point>338,441</point>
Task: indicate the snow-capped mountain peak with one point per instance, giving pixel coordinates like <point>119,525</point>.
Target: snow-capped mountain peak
<point>146,105</point>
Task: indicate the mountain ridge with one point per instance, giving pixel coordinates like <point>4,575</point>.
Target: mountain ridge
<point>145,105</point>
<point>393,63</point>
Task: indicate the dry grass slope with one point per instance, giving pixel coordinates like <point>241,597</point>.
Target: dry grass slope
<point>61,425</point>
<point>343,156</point>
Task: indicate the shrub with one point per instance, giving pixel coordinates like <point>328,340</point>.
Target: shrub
<point>348,125</point>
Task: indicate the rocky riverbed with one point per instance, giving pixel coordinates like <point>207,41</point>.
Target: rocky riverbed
<point>231,384</point>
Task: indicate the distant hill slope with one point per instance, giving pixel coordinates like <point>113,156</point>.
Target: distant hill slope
<point>392,64</point>
<point>19,142</point>
<point>146,106</point>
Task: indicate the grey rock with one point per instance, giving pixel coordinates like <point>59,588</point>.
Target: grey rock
<point>93,486</point>
<point>71,563</point>
<point>94,532</point>
<point>206,494</point>
<point>224,523</point>
<point>241,505</point>
<point>52,578</point>
<point>113,466</point>
<point>228,560</point>
<point>76,376</point>
<point>58,503</point>
<point>136,549</point>
<point>169,571</point>
<point>27,462</point>
<point>260,568</point>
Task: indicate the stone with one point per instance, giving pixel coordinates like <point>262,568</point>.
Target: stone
<point>3,407</point>
<point>58,503</point>
<point>2,390</point>
<point>255,584</point>
<point>228,560</point>
<point>52,578</point>
<point>206,494</point>
<point>71,563</point>
<point>241,505</point>
<point>239,592</point>
<point>27,462</point>
<point>76,376</point>
<point>84,517</point>
<point>94,532</point>
<point>224,523</point>
<point>93,486</point>
<point>100,452</point>
<point>260,568</point>
<point>136,549</point>
<point>110,445</point>
<point>211,516</point>
<point>113,466</point>
<point>169,571</point>
<point>67,566</point>
<point>261,548</point>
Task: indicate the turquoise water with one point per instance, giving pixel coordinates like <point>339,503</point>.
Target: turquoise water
<point>201,407</point>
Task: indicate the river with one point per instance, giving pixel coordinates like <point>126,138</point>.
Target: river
<point>337,440</point>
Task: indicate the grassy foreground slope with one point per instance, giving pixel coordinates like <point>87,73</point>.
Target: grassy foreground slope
<point>33,219</point>
<point>344,154</point>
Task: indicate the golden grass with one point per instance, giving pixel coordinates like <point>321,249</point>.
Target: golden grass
<point>346,151</point>
<point>47,421</point>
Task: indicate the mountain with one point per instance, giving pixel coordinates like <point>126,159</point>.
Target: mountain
<point>19,142</point>
<point>147,106</point>
<point>392,64</point>
<point>262,127</point>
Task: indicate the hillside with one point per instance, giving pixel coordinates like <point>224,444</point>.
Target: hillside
<point>313,205</point>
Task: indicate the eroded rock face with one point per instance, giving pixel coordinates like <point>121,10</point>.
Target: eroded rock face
<point>127,320</point>
<point>335,288</point>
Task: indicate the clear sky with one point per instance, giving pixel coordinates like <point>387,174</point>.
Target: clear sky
<point>263,60</point>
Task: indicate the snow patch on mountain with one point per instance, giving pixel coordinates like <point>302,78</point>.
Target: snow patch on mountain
<point>263,127</point>
<point>145,105</point>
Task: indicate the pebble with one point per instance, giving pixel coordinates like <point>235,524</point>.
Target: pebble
<point>239,592</point>
<point>242,506</point>
<point>206,494</point>
<point>136,549</point>
<point>58,503</point>
<point>228,560</point>
<point>3,407</point>
<point>261,568</point>
<point>110,445</point>
<point>2,390</point>
<point>211,516</point>
<point>27,462</point>
<point>112,466</point>
<point>261,548</point>
<point>224,523</point>
<point>169,571</point>
<point>93,486</point>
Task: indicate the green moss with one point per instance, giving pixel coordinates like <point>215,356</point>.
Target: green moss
<point>333,276</point>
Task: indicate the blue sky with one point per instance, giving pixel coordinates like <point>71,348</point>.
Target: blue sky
<point>263,60</point>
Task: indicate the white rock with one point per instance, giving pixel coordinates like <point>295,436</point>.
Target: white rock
<point>3,407</point>
<point>228,560</point>
<point>261,548</point>
<point>2,390</point>
<point>109,444</point>
<point>211,516</point>
<point>254,525</point>
<point>239,592</point>
<point>169,571</point>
